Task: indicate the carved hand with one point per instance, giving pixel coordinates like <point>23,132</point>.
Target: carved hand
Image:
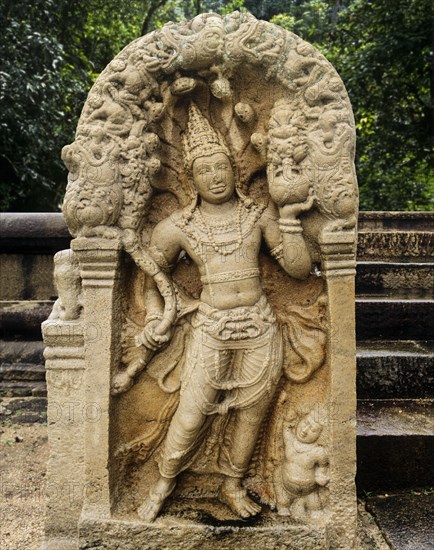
<point>322,477</point>
<point>292,211</point>
<point>121,383</point>
<point>154,335</point>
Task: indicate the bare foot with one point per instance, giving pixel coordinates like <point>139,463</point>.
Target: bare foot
<point>235,496</point>
<point>149,510</point>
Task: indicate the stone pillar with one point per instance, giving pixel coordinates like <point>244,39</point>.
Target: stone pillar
<point>64,356</point>
<point>99,261</point>
<point>338,265</point>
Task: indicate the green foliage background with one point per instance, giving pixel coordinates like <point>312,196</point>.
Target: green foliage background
<point>51,51</point>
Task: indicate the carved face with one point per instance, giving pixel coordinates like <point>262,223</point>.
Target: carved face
<point>214,178</point>
<point>308,430</point>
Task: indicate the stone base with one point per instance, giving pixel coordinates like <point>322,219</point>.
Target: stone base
<point>60,544</point>
<point>268,533</point>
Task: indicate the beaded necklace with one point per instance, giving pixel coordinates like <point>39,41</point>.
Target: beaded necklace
<point>195,222</point>
<point>222,247</point>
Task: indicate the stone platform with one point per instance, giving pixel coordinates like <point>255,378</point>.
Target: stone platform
<point>266,533</point>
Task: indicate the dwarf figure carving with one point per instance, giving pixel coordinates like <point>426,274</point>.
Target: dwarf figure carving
<point>300,482</point>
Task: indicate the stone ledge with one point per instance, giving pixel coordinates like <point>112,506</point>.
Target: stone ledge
<point>389,220</point>
<point>395,444</point>
<point>379,245</point>
<point>381,276</point>
<point>395,369</point>
<point>112,534</point>
<point>384,317</point>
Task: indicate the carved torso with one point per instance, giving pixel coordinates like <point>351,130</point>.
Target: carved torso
<point>225,250</point>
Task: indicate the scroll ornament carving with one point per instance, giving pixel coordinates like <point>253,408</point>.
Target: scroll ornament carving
<point>309,151</point>
<point>114,159</point>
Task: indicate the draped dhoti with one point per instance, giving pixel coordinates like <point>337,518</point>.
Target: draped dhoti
<point>233,361</point>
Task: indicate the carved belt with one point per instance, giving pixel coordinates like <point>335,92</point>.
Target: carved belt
<point>238,323</point>
<point>229,276</point>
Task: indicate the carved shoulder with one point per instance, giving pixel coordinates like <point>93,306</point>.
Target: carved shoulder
<point>167,238</point>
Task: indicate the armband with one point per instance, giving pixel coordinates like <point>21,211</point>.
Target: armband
<point>159,258</point>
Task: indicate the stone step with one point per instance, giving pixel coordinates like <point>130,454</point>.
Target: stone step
<point>386,316</point>
<point>395,221</point>
<point>22,372</point>
<point>395,439</point>
<point>22,368</point>
<point>395,443</point>
<point>389,276</point>
<point>21,351</point>
<point>380,245</point>
<point>33,232</point>
<point>23,318</point>
<point>395,369</point>
<point>392,317</point>
<point>385,369</point>
<point>405,517</point>
<point>23,388</point>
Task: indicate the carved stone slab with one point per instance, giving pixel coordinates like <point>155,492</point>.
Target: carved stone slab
<point>210,294</point>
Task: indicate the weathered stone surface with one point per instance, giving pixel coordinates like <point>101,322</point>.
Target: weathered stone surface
<point>22,371</point>
<point>395,444</point>
<point>406,518</point>
<point>32,232</point>
<point>174,532</point>
<point>394,317</point>
<point>395,369</point>
<point>23,318</point>
<point>213,200</point>
<point>386,276</point>
<point>13,352</point>
<point>395,245</point>
<point>26,277</point>
<point>396,221</point>
<point>23,389</point>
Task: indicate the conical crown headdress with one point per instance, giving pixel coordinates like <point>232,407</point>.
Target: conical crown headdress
<point>200,138</point>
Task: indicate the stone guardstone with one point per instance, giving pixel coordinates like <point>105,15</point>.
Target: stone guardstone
<point>201,355</point>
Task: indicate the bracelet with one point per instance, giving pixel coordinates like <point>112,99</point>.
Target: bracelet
<point>289,221</point>
<point>291,225</point>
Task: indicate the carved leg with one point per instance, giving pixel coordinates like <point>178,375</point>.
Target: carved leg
<point>185,434</point>
<point>237,456</point>
<point>283,500</point>
<point>149,510</point>
<point>298,509</point>
<point>315,503</point>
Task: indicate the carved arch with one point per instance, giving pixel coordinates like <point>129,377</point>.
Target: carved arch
<point>127,142</point>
